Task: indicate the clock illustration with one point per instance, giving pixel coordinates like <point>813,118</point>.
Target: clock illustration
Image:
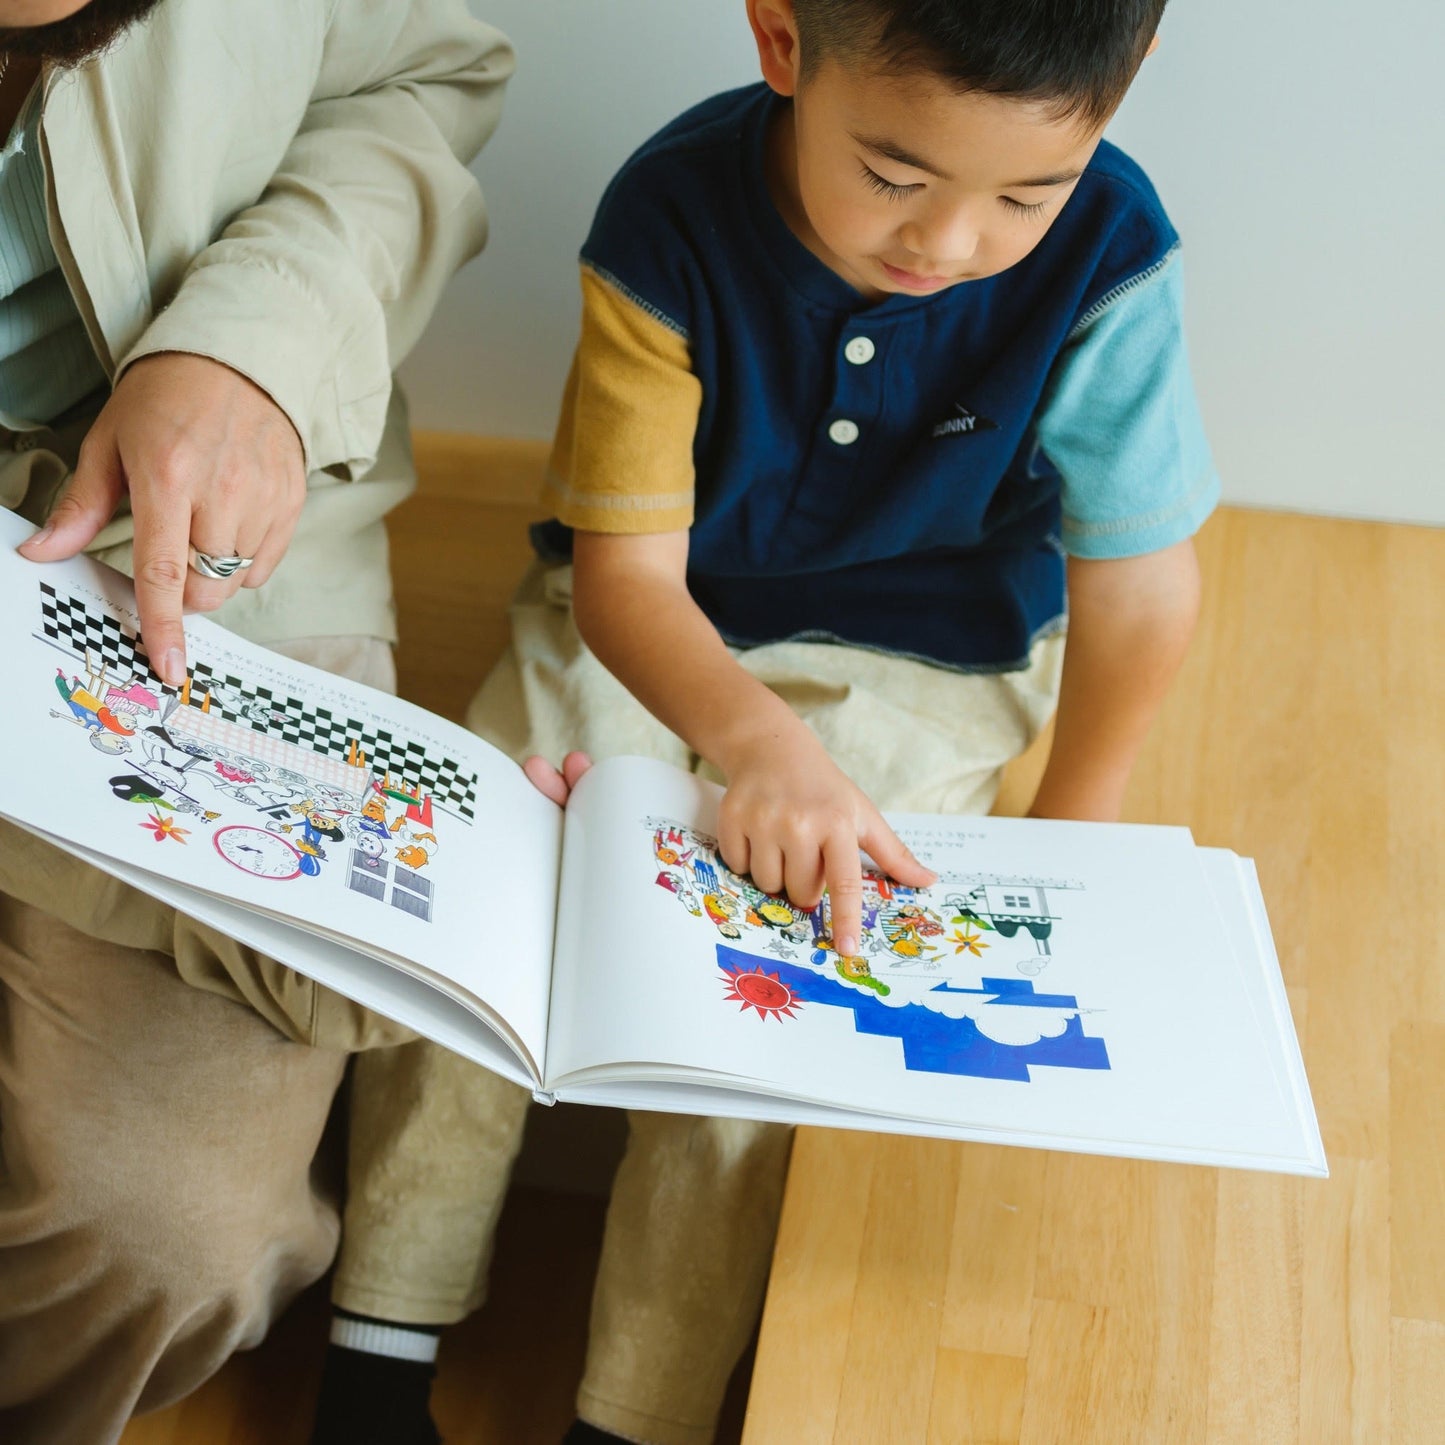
<point>257,852</point>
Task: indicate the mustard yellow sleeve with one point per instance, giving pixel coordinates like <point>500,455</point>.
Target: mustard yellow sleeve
<point>622,458</point>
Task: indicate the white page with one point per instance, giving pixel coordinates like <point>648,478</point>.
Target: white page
<point>1123,1024</point>
<point>1240,905</point>
<point>734,1103</point>
<point>420,841</point>
<point>1227,884</point>
<point>1279,1001</point>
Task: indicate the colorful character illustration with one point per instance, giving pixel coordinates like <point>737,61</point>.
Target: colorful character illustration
<point>667,846</point>
<point>130,701</point>
<point>372,818</point>
<point>417,848</point>
<point>722,909</point>
<point>902,932</point>
<point>908,928</point>
<point>682,890</point>
<point>372,850</point>
<point>315,826</point>
<point>775,915</point>
<point>86,708</point>
<point>255,784</point>
<point>855,969</point>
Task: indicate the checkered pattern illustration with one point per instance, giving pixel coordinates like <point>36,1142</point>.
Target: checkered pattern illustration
<point>81,628</point>
<point>77,625</point>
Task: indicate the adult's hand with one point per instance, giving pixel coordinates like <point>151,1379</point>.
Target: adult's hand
<point>209,460</point>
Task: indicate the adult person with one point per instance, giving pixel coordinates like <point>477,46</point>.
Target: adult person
<point>221,226</point>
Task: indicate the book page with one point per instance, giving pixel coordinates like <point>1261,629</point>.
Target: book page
<point>1061,979</point>
<point>277,787</point>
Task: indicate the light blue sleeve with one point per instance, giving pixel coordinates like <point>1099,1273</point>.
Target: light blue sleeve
<point>1120,421</point>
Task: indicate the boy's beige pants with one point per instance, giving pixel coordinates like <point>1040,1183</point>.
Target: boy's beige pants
<point>163,1091</point>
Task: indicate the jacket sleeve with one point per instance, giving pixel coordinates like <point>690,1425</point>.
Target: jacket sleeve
<point>318,290</point>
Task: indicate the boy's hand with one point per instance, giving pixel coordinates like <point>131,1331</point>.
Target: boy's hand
<point>789,817</point>
<point>793,820</point>
<point>554,783</point>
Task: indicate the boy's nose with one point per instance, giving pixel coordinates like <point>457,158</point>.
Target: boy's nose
<point>946,240</point>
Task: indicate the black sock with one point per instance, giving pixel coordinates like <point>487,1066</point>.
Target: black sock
<point>582,1433</point>
<point>370,1398</point>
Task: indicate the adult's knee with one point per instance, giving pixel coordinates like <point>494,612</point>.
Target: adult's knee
<point>177,1222</point>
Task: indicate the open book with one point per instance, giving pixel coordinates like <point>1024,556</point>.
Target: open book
<point>1103,988</point>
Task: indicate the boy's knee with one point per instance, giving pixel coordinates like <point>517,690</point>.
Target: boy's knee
<point>727,1153</point>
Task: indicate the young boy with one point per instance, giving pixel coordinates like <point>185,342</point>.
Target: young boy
<point>881,378</point>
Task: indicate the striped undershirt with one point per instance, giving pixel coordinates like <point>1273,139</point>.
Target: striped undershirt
<point>47,363</point>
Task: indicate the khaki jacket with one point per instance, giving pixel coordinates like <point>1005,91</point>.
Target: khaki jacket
<point>281,185</point>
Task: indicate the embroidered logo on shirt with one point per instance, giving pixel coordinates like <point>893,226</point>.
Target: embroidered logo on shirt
<point>964,420</point>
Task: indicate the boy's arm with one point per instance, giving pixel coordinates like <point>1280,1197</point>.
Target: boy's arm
<point>1130,621</point>
<point>790,816</point>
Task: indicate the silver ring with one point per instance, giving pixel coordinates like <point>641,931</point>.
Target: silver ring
<point>219,569</point>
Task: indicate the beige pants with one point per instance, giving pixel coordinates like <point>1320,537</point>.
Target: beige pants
<point>694,1210</point>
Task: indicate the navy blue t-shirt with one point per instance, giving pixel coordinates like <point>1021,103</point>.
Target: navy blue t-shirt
<point>873,472</point>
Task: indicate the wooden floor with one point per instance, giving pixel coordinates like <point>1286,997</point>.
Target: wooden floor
<point>935,1294</point>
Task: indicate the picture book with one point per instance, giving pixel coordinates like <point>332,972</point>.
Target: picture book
<point>1093,987</point>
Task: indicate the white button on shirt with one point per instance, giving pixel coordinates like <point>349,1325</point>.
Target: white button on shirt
<point>844,432</point>
<point>859,351</point>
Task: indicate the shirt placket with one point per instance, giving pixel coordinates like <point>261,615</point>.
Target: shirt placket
<point>842,448</point>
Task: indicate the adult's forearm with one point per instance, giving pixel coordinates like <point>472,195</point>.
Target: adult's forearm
<point>317,289</point>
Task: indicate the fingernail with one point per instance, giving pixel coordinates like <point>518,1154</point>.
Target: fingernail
<point>173,666</point>
<point>848,946</point>
<point>38,538</point>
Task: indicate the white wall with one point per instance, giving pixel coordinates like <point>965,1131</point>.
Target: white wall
<point>1299,147</point>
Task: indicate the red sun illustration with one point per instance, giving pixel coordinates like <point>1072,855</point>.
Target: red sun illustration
<point>765,992</point>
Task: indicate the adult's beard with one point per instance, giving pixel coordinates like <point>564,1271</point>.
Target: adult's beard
<point>78,37</point>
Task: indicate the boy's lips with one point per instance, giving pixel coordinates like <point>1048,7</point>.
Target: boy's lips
<point>912,280</point>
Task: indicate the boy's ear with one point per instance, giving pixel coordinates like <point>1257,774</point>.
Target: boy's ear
<point>1153,46</point>
<point>776,33</point>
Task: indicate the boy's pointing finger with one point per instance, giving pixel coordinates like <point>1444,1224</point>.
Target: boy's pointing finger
<point>844,873</point>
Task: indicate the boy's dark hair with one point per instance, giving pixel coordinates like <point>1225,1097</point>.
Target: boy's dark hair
<point>1076,56</point>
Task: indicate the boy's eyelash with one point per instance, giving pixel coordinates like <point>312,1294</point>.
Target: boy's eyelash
<point>1019,208</point>
<point>876,183</point>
